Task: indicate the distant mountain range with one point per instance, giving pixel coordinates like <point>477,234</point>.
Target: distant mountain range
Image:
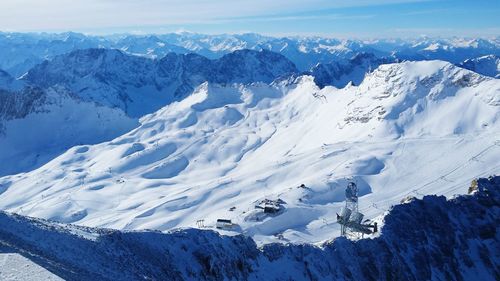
<point>21,51</point>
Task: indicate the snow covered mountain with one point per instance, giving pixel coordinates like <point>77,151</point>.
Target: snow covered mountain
<point>149,46</point>
<point>429,239</point>
<point>453,50</point>
<point>38,124</point>
<point>485,65</point>
<point>222,149</point>
<point>306,52</point>
<point>140,85</point>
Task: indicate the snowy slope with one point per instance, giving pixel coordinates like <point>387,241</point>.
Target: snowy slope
<point>140,85</point>
<point>15,267</point>
<point>230,146</point>
<point>36,125</point>
<point>429,239</point>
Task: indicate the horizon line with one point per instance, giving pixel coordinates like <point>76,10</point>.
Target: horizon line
<point>275,36</point>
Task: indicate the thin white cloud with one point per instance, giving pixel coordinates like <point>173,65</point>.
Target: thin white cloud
<point>294,18</point>
<point>425,12</point>
<point>49,15</point>
<point>443,32</point>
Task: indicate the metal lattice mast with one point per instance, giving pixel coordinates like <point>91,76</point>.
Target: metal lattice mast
<point>350,219</point>
<point>351,204</point>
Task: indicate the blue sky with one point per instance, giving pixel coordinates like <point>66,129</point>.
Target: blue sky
<point>335,18</point>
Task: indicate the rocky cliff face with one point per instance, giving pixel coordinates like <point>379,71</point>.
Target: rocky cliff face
<point>353,70</point>
<point>16,105</point>
<point>7,82</point>
<point>428,239</point>
<point>140,85</point>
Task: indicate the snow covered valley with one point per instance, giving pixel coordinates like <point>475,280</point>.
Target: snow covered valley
<point>410,128</point>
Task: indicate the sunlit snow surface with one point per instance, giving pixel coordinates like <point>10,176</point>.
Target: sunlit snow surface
<point>412,128</point>
<point>16,267</point>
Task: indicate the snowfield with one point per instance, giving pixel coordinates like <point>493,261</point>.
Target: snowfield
<point>410,128</point>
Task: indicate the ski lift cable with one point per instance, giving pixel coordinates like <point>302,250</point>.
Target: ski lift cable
<point>417,189</point>
<point>446,192</point>
<point>462,182</point>
<point>443,177</point>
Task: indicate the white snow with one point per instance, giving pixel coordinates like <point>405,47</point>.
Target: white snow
<point>410,128</point>
<point>16,267</point>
